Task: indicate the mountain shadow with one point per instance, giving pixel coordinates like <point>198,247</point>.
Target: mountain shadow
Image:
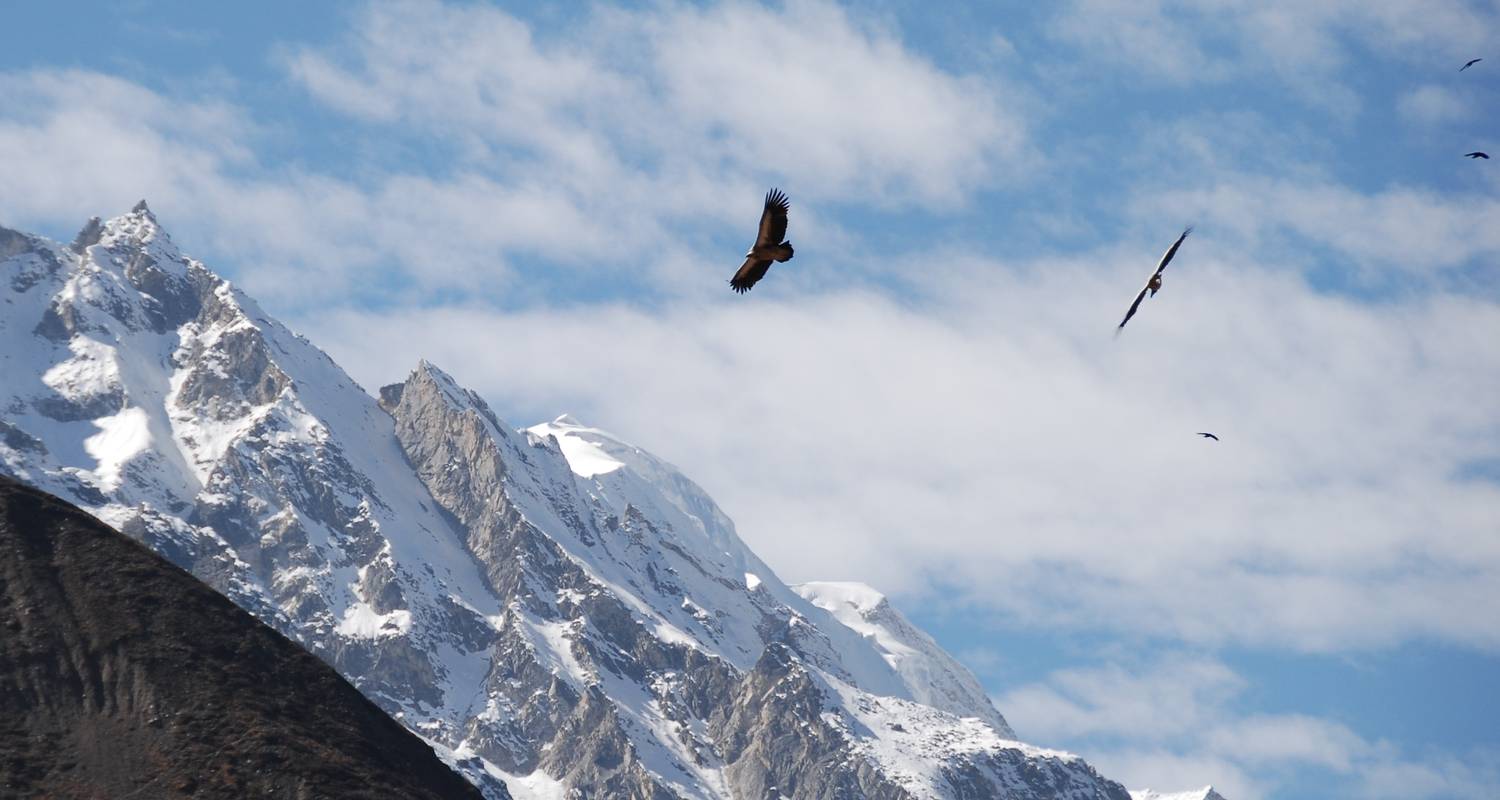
<point>122,676</point>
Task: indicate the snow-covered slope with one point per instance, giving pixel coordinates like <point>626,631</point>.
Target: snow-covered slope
<point>552,608</point>
<point>930,675</point>
<point>1206,793</point>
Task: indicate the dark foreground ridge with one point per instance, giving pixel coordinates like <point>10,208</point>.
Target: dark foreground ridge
<point>122,676</point>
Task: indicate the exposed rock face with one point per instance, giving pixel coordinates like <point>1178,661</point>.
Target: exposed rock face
<point>786,747</point>
<point>121,675</point>
<point>550,607</point>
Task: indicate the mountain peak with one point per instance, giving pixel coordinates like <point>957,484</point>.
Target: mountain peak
<point>455,395</point>
<point>137,229</point>
<point>429,370</point>
<point>861,596</point>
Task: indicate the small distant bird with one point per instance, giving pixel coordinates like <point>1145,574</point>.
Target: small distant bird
<point>1477,154</point>
<point>1208,436</point>
<point>769,243</point>
<point>1471,63</point>
<point>1155,283</point>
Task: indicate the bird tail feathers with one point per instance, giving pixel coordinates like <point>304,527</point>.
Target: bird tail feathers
<point>784,252</point>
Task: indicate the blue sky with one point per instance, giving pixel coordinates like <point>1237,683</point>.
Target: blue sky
<point>928,398</point>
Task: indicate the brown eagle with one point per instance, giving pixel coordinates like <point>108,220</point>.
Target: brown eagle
<point>1155,283</point>
<point>769,243</point>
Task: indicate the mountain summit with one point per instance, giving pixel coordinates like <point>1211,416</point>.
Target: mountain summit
<point>550,607</point>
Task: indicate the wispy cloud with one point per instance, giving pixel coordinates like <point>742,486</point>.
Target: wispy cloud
<point>801,93</point>
<point>1175,721</point>
<point>1403,229</point>
<point>1302,45</point>
<point>1432,104</point>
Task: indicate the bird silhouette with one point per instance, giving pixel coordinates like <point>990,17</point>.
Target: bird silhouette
<point>1477,154</point>
<point>769,245</point>
<point>1155,283</point>
<point>1471,63</point>
<point>1208,436</point>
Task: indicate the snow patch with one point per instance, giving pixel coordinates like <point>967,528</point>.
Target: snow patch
<point>361,622</point>
<point>1206,793</point>
<point>120,438</point>
<point>91,371</point>
<point>536,786</point>
<point>912,742</point>
<point>553,643</point>
<point>585,458</point>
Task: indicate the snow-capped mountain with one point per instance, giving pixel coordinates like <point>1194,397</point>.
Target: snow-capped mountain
<point>552,608</point>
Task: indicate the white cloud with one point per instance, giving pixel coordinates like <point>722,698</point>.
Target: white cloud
<point>72,141</point>
<point>1176,700</point>
<point>1176,39</point>
<point>1304,46</point>
<point>1431,104</point>
<point>1473,775</point>
<point>1175,723</point>
<point>800,94</point>
<point>1401,229</point>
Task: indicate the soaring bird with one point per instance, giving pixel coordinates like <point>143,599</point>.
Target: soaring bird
<point>1471,63</point>
<point>1208,436</point>
<point>769,243</point>
<point>1155,283</point>
<point>1476,154</point>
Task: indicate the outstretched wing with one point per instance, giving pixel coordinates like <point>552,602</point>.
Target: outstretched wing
<point>1476,154</point>
<point>772,221</point>
<point>750,272</point>
<point>1471,63</point>
<point>1133,307</point>
<point>1172,251</point>
<point>1208,436</point>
